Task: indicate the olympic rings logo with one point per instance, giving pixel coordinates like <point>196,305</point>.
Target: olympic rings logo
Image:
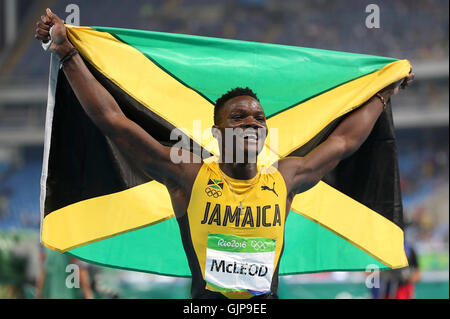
<point>258,245</point>
<point>212,192</point>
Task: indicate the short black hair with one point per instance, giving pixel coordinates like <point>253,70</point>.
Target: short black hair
<point>229,95</point>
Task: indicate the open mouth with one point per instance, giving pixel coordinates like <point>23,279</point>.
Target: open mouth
<point>250,135</point>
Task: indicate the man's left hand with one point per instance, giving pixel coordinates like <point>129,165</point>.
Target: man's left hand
<point>392,89</point>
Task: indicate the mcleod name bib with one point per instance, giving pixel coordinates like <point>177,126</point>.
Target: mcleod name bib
<point>240,264</point>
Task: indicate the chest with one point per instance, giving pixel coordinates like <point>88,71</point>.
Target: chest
<point>252,212</point>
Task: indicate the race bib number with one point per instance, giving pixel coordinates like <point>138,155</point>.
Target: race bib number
<point>235,263</point>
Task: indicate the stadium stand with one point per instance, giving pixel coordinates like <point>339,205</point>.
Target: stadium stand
<point>288,22</point>
<point>19,192</point>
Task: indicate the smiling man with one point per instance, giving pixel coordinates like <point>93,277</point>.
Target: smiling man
<point>231,212</point>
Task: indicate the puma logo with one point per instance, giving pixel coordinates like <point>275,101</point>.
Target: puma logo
<point>263,188</point>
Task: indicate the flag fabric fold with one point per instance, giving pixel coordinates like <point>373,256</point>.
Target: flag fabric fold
<point>99,207</point>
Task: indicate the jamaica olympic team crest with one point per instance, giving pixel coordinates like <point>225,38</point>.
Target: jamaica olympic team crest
<point>214,188</point>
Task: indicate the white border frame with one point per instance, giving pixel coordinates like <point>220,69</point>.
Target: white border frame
<point>53,79</point>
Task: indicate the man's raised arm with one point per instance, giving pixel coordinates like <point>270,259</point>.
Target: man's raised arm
<point>302,173</point>
<point>103,110</point>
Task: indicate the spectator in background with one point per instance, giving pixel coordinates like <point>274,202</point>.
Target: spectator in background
<point>3,206</point>
<point>399,283</point>
<point>51,283</point>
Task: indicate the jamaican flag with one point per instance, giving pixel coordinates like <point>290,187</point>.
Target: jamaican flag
<point>98,206</point>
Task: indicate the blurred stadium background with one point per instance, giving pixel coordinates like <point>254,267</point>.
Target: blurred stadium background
<point>415,30</point>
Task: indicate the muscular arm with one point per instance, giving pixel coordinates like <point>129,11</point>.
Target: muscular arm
<point>302,173</point>
<point>104,111</point>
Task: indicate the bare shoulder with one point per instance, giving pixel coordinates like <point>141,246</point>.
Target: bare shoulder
<point>291,169</point>
<point>188,165</point>
<point>289,166</point>
<point>180,186</point>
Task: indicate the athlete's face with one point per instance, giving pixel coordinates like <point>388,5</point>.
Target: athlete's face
<point>244,117</point>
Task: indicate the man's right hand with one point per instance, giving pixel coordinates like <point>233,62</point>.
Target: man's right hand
<point>60,43</point>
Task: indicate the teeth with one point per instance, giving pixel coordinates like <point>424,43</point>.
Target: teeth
<point>249,135</point>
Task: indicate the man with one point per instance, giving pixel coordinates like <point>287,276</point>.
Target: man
<point>52,280</point>
<point>399,283</point>
<point>232,230</point>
